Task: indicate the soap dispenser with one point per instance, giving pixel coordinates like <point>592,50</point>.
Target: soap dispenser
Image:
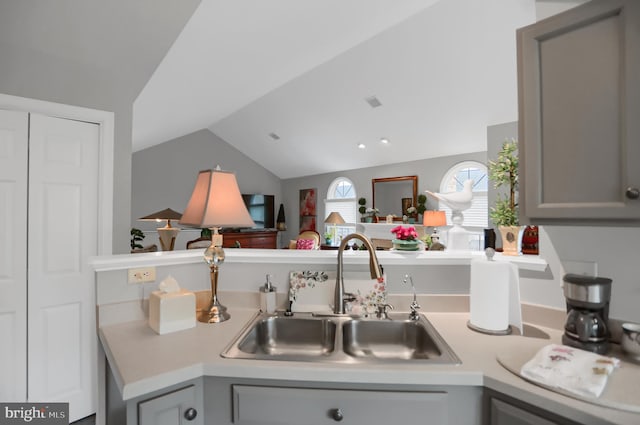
<point>268,297</point>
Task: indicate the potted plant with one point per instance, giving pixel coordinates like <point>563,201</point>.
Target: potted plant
<point>362,209</point>
<point>372,215</point>
<point>136,236</point>
<point>504,213</point>
<point>412,212</point>
<point>406,238</point>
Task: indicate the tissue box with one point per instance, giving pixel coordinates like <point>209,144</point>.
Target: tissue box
<point>173,311</point>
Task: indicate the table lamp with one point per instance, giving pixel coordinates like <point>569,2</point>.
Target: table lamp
<point>166,234</point>
<point>434,219</point>
<point>334,218</point>
<point>216,202</point>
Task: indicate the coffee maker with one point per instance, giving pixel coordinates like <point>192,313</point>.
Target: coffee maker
<point>587,300</point>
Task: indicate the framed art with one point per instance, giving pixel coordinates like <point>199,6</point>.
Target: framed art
<point>307,209</point>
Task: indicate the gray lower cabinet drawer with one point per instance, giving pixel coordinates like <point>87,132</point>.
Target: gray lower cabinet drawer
<point>256,405</point>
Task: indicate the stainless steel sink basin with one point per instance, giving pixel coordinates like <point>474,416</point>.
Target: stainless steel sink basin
<point>344,339</point>
<point>285,337</point>
<point>402,339</point>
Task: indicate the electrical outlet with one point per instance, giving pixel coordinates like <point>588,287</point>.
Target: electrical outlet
<point>141,275</point>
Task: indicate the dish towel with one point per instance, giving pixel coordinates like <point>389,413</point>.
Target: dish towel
<point>576,371</point>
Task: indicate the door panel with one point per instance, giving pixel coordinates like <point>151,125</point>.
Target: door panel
<point>63,220</point>
<point>13,255</point>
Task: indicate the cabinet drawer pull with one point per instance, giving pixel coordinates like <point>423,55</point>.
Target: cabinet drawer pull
<point>632,193</point>
<point>190,414</point>
<point>337,415</point>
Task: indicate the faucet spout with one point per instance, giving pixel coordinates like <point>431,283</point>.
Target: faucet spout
<point>374,268</point>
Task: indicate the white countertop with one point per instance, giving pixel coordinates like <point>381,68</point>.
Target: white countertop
<point>285,256</point>
<point>143,361</point>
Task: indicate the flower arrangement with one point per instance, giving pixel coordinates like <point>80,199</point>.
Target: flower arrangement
<point>373,211</point>
<point>405,233</point>
<point>412,210</point>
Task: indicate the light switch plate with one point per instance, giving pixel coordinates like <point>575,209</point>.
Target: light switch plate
<point>142,275</point>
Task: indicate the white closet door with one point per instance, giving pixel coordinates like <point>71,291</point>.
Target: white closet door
<point>63,219</point>
<point>13,255</point>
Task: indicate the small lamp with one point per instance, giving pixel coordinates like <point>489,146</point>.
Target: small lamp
<point>166,234</point>
<point>216,202</point>
<point>334,218</point>
<point>434,219</point>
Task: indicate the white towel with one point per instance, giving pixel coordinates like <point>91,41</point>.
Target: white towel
<point>576,371</point>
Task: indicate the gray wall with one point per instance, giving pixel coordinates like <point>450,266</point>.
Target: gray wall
<point>163,175</point>
<point>94,54</point>
<point>429,172</point>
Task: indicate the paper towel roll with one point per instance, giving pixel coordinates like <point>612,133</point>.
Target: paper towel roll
<point>491,295</point>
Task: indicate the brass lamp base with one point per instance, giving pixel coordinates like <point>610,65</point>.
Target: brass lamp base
<point>215,313</point>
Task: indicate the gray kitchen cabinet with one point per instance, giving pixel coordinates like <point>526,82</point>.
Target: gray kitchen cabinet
<point>499,409</point>
<point>253,405</point>
<point>177,405</point>
<point>579,104</point>
<point>253,402</point>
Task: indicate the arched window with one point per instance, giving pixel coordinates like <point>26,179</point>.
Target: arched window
<point>477,216</point>
<point>341,197</point>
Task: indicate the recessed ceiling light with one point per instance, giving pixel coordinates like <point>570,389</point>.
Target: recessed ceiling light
<point>373,101</point>
<point>361,146</point>
<point>274,136</point>
<point>384,141</point>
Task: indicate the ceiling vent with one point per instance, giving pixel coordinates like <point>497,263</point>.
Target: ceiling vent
<point>274,136</point>
<point>373,101</point>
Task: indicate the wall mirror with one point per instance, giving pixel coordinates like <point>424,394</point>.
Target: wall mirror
<point>389,193</point>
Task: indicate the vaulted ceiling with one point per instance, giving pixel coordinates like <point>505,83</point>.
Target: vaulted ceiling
<point>286,81</point>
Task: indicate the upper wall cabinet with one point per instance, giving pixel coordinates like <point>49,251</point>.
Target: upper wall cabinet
<point>579,115</point>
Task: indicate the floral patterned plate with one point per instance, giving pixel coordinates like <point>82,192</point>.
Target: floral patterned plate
<point>312,291</point>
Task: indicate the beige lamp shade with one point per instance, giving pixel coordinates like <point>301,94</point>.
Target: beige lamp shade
<point>334,218</point>
<point>216,202</point>
<point>434,218</point>
<point>166,214</point>
<point>168,233</point>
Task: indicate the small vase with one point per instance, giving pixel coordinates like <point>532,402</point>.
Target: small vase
<point>510,240</point>
<point>368,219</point>
<point>402,245</point>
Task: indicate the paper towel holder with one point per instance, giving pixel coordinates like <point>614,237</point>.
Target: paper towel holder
<point>488,331</point>
<point>489,253</point>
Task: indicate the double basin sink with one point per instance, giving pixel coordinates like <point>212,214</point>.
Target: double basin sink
<point>340,339</point>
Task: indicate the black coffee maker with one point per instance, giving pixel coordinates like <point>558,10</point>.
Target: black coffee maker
<point>587,325</point>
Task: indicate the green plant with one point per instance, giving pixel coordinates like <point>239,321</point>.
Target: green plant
<point>136,236</point>
<point>422,200</point>
<point>363,206</point>
<point>504,172</point>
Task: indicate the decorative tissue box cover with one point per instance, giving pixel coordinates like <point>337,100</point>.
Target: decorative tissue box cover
<point>173,311</point>
<point>312,291</point>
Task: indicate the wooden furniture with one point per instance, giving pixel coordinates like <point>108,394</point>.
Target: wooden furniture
<point>579,103</point>
<point>261,238</point>
<point>329,247</point>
